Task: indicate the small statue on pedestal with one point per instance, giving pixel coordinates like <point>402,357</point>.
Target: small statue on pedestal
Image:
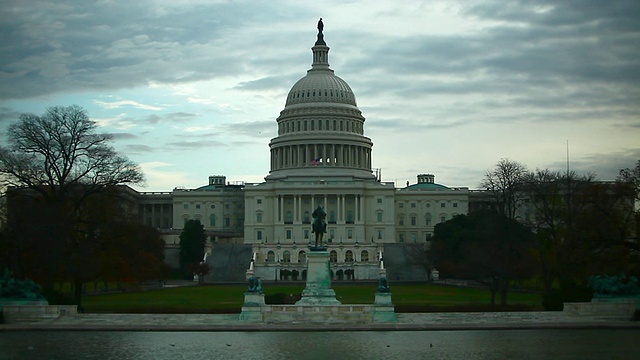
<point>255,285</point>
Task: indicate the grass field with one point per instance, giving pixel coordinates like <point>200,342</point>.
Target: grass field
<point>229,298</point>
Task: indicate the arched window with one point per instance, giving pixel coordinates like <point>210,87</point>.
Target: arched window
<point>427,219</point>
<point>271,256</point>
<point>286,256</point>
<point>348,256</point>
<point>212,220</point>
<point>333,256</point>
<point>364,256</point>
<point>302,257</point>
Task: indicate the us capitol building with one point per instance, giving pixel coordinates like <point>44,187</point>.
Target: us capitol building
<point>320,157</point>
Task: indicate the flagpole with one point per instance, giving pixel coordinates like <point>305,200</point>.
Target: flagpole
<point>568,158</point>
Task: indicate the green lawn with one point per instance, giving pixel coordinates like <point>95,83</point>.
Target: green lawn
<point>229,298</point>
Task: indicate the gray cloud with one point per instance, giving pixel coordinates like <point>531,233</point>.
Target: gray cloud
<point>179,117</point>
<point>199,144</point>
<point>137,149</point>
<point>606,166</point>
<point>569,57</point>
<point>123,136</point>
<point>259,129</point>
<point>79,45</point>
<point>265,83</point>
<point>8,114</point>
<point>564,53</point>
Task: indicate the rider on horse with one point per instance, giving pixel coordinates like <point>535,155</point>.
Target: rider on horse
<point>319,224</point>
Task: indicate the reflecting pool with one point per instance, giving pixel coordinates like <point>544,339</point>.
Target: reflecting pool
<point>403,345</point>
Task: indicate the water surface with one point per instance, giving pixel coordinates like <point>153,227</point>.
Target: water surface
<point>401,345</point>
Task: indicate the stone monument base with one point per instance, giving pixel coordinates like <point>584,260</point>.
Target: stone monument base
<point>253,307</point>
<point>318,303</point>
<point>318,289</point>
<point>383,310</point>
<point>623,310</point>
<point>321,314</point>
<point>32,313</point>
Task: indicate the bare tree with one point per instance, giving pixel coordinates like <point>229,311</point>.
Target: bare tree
<point>58,152</point>
<point>59,161</point>
<point>505,182</point>
<point>628,185</point>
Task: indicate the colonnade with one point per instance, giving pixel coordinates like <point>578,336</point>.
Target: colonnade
<point>348,208</point>
<point>159,215</point>
<point>292,156</point>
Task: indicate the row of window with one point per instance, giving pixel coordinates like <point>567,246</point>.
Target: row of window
<point>305,125</point>
<point>199,206</point>
<point>413,220</point>
<point>306,219</point>
<point>328,93</point>
<point>306,234</point>
<point>302,256</point>
<point>213,220</point>
<point>442,205</point>
<point>413,237</point>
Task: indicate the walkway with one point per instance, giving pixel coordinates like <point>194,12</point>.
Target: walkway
<point>406,322</point>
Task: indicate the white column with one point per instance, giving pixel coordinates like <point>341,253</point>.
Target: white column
<point>324,154</point>
<point>295,209</point>
<point>281,208</point>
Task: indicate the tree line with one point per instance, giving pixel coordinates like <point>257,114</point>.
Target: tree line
<point>69,217</point>
<point>560,228</point>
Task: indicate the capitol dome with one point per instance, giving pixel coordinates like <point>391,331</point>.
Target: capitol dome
<point>321,86</point>
<point>320,129</point>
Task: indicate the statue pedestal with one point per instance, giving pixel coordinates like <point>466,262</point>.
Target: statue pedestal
<point>383,310</point>
<point>318,290</point>
<point>253,307</point>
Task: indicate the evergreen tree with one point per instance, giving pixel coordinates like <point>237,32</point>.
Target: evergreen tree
<point>192,241</point>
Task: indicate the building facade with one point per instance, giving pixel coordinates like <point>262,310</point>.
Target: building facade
<point>320,157</point>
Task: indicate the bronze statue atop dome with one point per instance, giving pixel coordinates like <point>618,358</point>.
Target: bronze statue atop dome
<point>320,40</point>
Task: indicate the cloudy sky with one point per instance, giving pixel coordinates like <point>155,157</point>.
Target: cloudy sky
<point>192,88</point>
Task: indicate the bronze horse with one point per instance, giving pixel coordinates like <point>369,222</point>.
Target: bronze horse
<point>319,224</point>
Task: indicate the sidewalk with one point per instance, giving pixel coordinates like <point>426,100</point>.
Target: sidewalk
<point>406,322</point>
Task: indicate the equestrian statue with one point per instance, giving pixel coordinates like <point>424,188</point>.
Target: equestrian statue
<point>319,226</point>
